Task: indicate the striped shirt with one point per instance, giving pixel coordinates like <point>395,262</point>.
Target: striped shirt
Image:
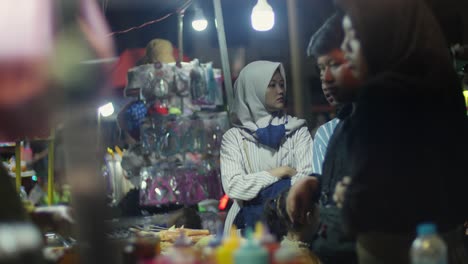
<point>322,136</point>
<point>244,165</point>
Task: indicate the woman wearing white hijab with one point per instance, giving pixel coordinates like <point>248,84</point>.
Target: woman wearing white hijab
<point>265,145</point>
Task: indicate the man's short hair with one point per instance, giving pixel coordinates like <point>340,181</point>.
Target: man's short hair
<point>327,38</point>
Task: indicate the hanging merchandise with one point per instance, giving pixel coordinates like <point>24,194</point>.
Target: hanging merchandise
<point>156,82</point>
<point>188,86</point>
<point>117,185</point>
<point>215,125</point>
<point>164,184</point>
<point>133,160</point>
<point>177,158</point>
<point>194,138</point>
<point>185,170</point>
<point>182,79</point>
<point>198,83</point>
<point>139,78</point>
<point>211,86</point>
<point>169,140</point>
<point>131,118</point>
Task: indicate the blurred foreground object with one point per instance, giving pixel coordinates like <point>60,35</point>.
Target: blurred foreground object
<point>24,73</point>
<point>20,243</point>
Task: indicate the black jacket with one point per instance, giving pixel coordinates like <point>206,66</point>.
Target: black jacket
<point>410,157</point>
<point>332,244</point>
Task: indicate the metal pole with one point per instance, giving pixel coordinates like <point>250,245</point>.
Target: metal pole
<point>99,132</point>
<point>219,21</point>
<point>295,58</point>
<point>50,168</point>
<point>180,28</point>
<point>18,165</point>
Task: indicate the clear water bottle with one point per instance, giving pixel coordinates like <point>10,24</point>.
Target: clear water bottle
<point>428,247</point>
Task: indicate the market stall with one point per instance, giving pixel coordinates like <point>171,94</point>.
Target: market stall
<point>169,173</point>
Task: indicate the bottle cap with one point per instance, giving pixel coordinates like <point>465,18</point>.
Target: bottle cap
<point>426,229</point>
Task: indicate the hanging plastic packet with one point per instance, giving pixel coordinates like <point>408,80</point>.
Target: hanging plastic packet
<point>194,138</point>
<point>211,86</point>
<point>169,141</point>
<point>182,79</point>
<point>197,83</point>
<point>194,186</point>
<point>162,84</point>
<point>158,186</point>
<point>160,88</point>
<point>148,136</point>
<point>219,100</point>
<point>214,186</point>
<point>132,161</point>
<point>139,81</point>
<point>214,134</point>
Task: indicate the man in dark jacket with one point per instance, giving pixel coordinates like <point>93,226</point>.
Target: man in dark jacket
<point>331,243</point>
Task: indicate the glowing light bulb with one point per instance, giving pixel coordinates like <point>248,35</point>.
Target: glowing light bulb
<point>199,22</point>
<point>106,110</point>
<point>263,17</point>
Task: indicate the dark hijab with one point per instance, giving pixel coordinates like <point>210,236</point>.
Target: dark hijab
<point>398,35</point>
<point>409,126</point>
<point>403,37</point>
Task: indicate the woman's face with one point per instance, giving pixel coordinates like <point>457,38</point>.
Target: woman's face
<point>353,52</point>
<point>275,93</point>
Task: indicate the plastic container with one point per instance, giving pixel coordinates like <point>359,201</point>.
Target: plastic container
<point>251,252</point>
<point>225,252</point>
<point>428,247</point>
<point>268,241</point>
<point>183,252</point>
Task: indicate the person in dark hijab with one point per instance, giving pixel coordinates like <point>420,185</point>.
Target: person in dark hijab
<point>409,143</point>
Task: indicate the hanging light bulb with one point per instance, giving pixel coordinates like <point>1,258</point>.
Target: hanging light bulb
<point>199,22</point>
<point>106,110</point>
<point>263,17</point>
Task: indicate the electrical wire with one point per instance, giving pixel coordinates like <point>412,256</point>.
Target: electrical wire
<point>180,9</point>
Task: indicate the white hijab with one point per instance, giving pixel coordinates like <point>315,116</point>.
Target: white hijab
<point>248,110</point>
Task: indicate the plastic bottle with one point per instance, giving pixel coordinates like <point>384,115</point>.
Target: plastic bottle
<point>428,247</point>
<point>209,252</point>
<point>251,252</point>
<point>26,153</point>
<point>183,252</point>
<point>225,252</point>
<point>267,240</point>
